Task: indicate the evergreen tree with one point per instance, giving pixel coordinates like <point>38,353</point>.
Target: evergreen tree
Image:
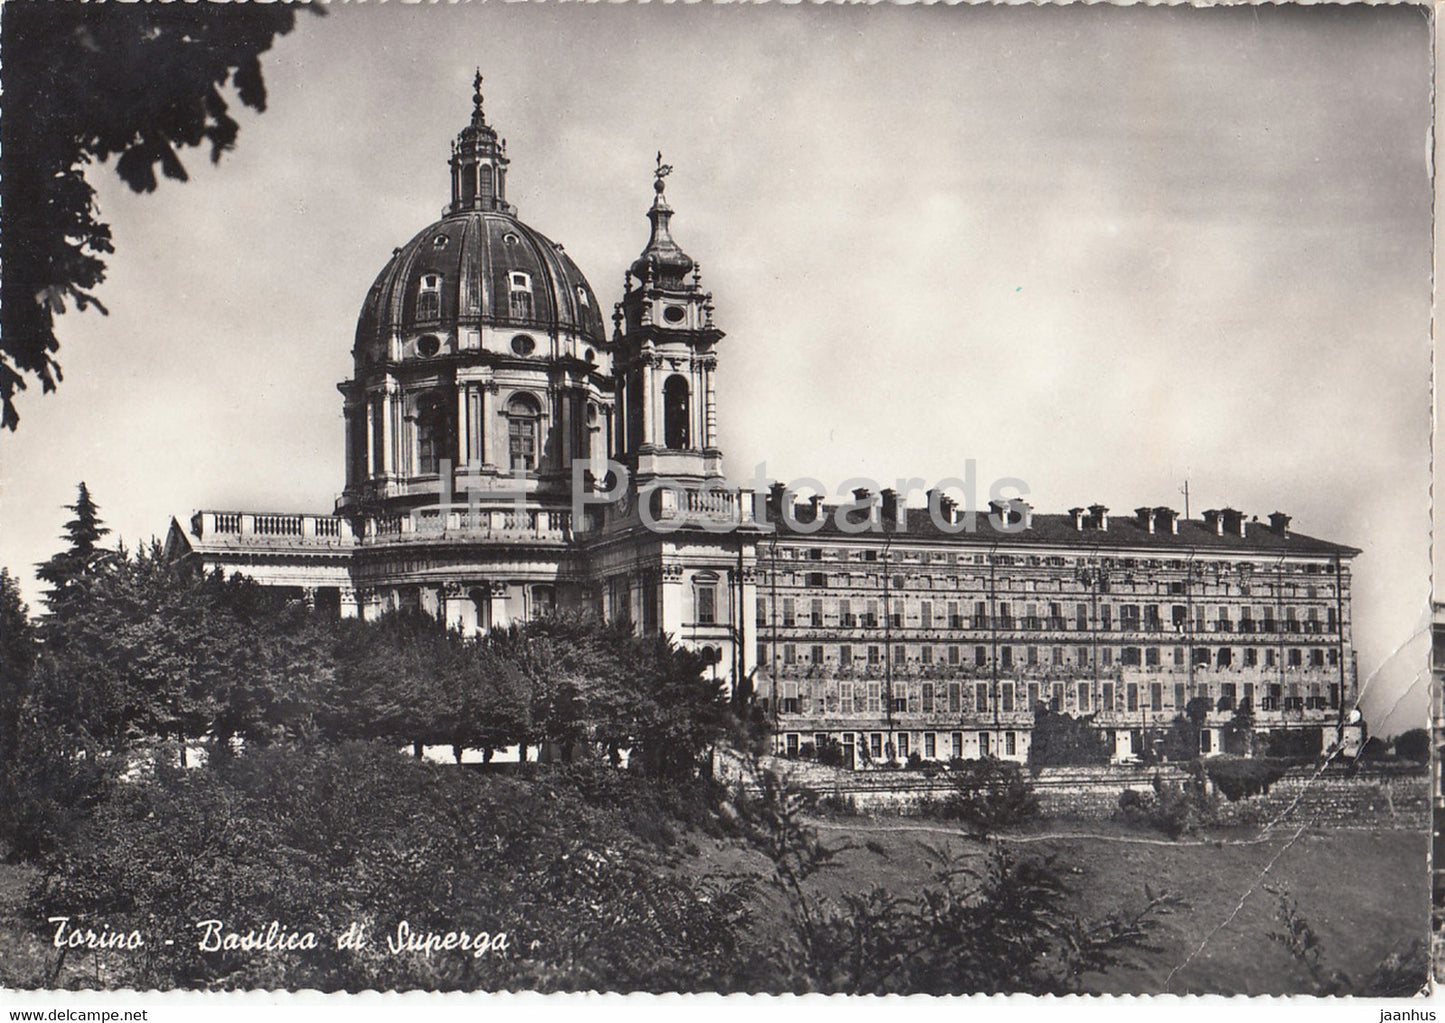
<point>70,571</point>
<point>17,661</point>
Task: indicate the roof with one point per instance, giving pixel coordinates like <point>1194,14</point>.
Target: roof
<point>1059,531</point>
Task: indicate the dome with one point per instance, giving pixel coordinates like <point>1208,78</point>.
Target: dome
<point>478,268</point>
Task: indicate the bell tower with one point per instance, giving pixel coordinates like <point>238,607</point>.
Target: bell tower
<point>479,163</point>
<point>666,360</point>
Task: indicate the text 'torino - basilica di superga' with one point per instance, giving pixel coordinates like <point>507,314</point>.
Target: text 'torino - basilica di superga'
<point>489,397</point>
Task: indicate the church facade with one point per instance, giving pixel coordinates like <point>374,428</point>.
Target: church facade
<point>507,454</point>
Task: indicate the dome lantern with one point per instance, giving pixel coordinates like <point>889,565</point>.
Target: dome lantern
<point>479,162</point>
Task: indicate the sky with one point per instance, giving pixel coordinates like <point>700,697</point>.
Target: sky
<point>1102,250</point>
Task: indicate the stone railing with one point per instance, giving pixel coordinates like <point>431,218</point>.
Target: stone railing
<point>262,527</point>
<point>421,524</point>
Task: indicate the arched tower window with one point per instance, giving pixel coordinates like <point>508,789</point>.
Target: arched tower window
<point>675,412</point>
<point>436,431</point>
<point>519,295</point>
<point>523,417</point>
<point>484,180</point>
<point>429,297</point>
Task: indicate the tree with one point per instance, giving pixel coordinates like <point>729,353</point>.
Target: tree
<point>84,83</point>
<point>1060,740</point>
<point>70,571</point>
<point>1413,745</point>
<point>18,650</point>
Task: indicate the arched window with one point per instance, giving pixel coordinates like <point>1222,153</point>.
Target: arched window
<point>436,431</point>
<point>675,413</point>
<point>484,180</point>
<point>523,415</point>
<point>429,297</point>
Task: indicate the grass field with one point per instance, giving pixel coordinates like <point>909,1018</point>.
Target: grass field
<point>1365,893</point>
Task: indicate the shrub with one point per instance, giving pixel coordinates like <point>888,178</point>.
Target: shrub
<point>1413,745</point>
<point>1302,744</point>
<point>988,794</point>
<point>1173,808</point>
<point>830,752</point>
<point>915,761</point>
<point>1242,777</point>
<point>807,751</point>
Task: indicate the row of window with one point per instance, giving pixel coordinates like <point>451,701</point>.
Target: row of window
<point>845,697</point>
<point>926,745</point>
<point>519,296</point>
<point>1060,584</point>
<point>846,655</point>
<point>924,614</point>
<point>925,557</point>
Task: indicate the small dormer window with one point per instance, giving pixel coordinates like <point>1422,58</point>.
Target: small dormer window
<point>519,293</point>
<point>429,297</point>
<point>582,297</point>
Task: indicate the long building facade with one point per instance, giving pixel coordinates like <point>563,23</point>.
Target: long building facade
<point>507,455</point>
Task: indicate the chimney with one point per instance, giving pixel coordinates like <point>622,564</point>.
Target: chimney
<point>814,503</point>
<point>1234,521</point>
<point>1099,516</point>
<point>1279,523</point>
<point>949,508</point>
<point>1214,521</point>
<point>1028,513</point>
<point>1078,514</point>
<point>944,502</point>
<point>775,499</point>
<point>1145,518</point>
<point>1167,518</point>
<point>890,505</point>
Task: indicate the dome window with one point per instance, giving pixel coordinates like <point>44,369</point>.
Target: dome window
<point>673,314</point>
<point>428,345</point>
<point>440,241</point>
<point>523,345</point>
<point>511,239</point>
<point>675,413</point>
<point>429,297</point>
<point>519,295</point>
<point>523,416</point>
<point>582,297</point>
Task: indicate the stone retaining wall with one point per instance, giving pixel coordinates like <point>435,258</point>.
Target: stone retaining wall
<point>1381,796</point>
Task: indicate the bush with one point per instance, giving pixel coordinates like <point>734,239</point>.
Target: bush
<point>915,761</point>
<point>1242,777</point>
<point>807,751</point>
<point>1173,808</point>
<point>988,794</point>
<point>830,752</point>
<point>1302,744</point>
<point>1413,745</point>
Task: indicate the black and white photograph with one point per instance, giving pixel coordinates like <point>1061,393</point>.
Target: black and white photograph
<point>717,498</point>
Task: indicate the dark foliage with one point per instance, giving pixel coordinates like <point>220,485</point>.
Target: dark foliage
<point>1060,740</point>
<point>84,83</point>
<point>1413,745</point>
<point>1403,973</point>
<point>1175,808</point>
<point>274,835</point>
<point>987,794</point>
<point>1301,744</point>
<point>1242,777</point>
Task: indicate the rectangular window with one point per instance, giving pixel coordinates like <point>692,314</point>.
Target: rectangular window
<point>706,605</point>
<point>1108,657</point>
<point>900,654</point>
<point>953,654</point>
<point>927,697</point>
<point>815,655</point>
<point>845,697</point>
<point>1129,656</point>
<point>1007,697</point>
<point>1033,653</point>
<point>984,749</point>
<point>789,617</point>
<point>1294,657</point>
<point>1269,658</point>
<point>925,653</point>
<point>903,744</point>
<point>873,657</point>
<point>1056,701</point>
<point>1006,657</point>
<point>925,613</point>
<point>1317,658</point>
<point>1083,697</point>
<point>1107,697</point>
<point>980,697</point>
<point>815,613</point>
<point>1132,691</point>
<point>980,656</point>
<point>1033,695</point>
<point>875,745</point>
<point>875,697</point>
<point>930,746</point>
<point>1083,656</point>
<point>845,656</point>
<point>1010,744</point>
<point>1179,698</point>
<point>956,742</point>
<point>1081,617</point>
<point>845,614</point>
<point>1156,696</point>
<point>792,743</point>
<point>955,697</point>
<point>790,654</point>
<point>1058,657</point>
<point>1151,657</point>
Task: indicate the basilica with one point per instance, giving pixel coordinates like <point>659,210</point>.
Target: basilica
<point>509,454</point>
